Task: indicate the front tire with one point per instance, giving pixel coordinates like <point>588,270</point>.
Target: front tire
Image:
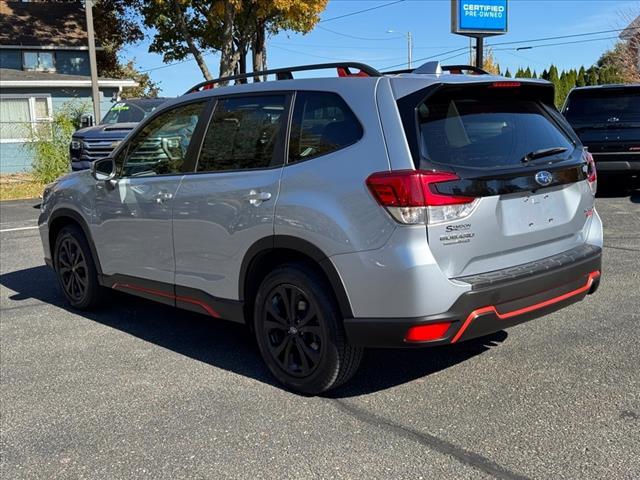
<point>75,269</point>
<point>299,331</point>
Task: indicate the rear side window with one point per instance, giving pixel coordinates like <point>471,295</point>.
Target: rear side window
<point>603,106</point>
<point>322,123</point>
<point>485,130</point>
<point>243,134</point>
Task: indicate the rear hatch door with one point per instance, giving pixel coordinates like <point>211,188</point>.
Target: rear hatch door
<point>519,160</point>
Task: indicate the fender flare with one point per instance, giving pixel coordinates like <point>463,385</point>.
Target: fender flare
<point>79,219</point>
<point>266,244</point>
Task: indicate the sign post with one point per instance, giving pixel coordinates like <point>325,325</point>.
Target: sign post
<point>479,19</point>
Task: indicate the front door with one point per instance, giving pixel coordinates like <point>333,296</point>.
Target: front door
<point>132,226</point>
<point>229,203</point>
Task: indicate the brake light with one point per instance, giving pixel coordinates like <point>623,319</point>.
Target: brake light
<point>592,174</point>
<point>411,196</point>
<point>505,85</point>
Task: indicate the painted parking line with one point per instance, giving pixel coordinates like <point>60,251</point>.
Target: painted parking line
<point>17,229</point>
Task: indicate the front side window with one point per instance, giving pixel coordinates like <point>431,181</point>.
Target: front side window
<point>160,148</point>
<point>38,61</point>
<point>322,123</point>
<point>243,134</point>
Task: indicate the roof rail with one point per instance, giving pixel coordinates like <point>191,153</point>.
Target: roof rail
<point>453,69</point>
<point>286,73</point>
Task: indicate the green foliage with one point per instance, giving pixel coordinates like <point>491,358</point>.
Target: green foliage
<point>146,88</point>
<point>50,142</point>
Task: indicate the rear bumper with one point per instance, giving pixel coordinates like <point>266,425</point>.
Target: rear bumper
<point>497,300</point>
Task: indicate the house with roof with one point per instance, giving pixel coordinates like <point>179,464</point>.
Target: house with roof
<point>44,64</point>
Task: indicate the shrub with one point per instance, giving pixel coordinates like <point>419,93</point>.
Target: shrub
<point>50,142</point>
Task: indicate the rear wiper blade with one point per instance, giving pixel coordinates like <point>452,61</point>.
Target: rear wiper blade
<point>543,152</point>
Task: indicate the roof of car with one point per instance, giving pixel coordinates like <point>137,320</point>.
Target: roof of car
<point>608,86</point>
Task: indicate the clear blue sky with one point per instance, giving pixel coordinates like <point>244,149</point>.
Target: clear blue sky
<point>429,22</point>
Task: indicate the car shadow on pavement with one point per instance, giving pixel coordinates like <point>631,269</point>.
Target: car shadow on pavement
<point>230,346</point>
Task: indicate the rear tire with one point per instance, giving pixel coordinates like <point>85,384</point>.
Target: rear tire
<point>75,268</point>
<point>299,331</point>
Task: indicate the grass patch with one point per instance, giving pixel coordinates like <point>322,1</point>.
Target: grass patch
<point>19,186</point>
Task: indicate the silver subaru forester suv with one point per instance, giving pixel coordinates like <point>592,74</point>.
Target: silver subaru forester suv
<point>407,209</point>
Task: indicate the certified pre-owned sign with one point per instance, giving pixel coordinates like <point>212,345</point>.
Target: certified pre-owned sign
<point>479,17</point>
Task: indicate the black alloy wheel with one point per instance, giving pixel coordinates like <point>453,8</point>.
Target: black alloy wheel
<point>76,269</point>
<point>299,330</point>
<point>291,325</point>
<point>72,268</point>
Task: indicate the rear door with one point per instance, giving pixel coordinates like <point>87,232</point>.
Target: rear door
<point>518,163</point>
<point>228,203</point>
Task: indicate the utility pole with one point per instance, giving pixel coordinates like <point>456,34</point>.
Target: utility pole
<point>409,49</point>
<point>479,52</point>
<point>95,91</point>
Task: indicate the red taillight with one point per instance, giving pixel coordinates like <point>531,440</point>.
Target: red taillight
<point>505,84</point>
<point>427,333</point>
<point>411,197</point>
<point>592,174</point>
<point>413,188</point>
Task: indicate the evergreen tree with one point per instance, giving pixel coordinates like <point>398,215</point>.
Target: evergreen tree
<point>592,76</point>
<point>545,74</point>
<point>527,73</point>
<point>581,79</point>
<point>507,73</point>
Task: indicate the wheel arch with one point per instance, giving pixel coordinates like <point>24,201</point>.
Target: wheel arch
<point>66,216</point>
<point>268,252</point>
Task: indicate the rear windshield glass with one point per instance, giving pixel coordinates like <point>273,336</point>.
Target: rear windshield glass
<point>603,106</point>
<point>485,132</point>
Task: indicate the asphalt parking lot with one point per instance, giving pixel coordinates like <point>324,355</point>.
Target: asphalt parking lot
<point>140,390</point>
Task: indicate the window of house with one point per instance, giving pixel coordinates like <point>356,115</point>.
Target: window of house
<point>322,123</point>
<point>243,134</point>
<point>20,115</point>
<point>38,61</point>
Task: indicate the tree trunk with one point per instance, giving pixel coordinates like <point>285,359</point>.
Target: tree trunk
<point>258,50</point>
<point>193,48</point>
<point>229,55</point>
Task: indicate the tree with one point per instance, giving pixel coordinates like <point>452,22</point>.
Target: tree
<point>490,64</point>
<point>230,27</point>
<point>581,79</point>
<point>146,88</point>
<point>621,63</point>
<point>507,73</point>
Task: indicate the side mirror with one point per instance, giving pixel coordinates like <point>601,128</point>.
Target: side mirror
<point>86,120</point>
<point>103,169</point>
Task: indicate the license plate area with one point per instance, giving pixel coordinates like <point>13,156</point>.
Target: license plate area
<point>531,212</point>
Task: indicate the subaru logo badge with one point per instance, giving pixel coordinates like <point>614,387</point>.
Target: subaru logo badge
<point>544,178</point>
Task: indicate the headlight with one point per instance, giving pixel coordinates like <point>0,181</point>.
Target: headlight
<point>76,144</point>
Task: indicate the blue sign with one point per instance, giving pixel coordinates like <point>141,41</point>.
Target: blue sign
<point>479,16</point>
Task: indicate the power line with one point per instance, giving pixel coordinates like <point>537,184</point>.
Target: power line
<point>428,58</point>
<point>562,36</point>
<point>347,35</point>
<point>325,57</point>
<point>553,44</point>
<point>360,11</point>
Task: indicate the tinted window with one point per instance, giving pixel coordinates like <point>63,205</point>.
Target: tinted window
<point>603,106</point>
<point>485,132</point>
<point>322,123</point>
<point>125,112</point>
<point>243,134</point>
<point>161,147</point>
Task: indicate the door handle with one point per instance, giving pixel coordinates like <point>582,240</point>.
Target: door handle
<point>162,197</point>
<point>256,198</point>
